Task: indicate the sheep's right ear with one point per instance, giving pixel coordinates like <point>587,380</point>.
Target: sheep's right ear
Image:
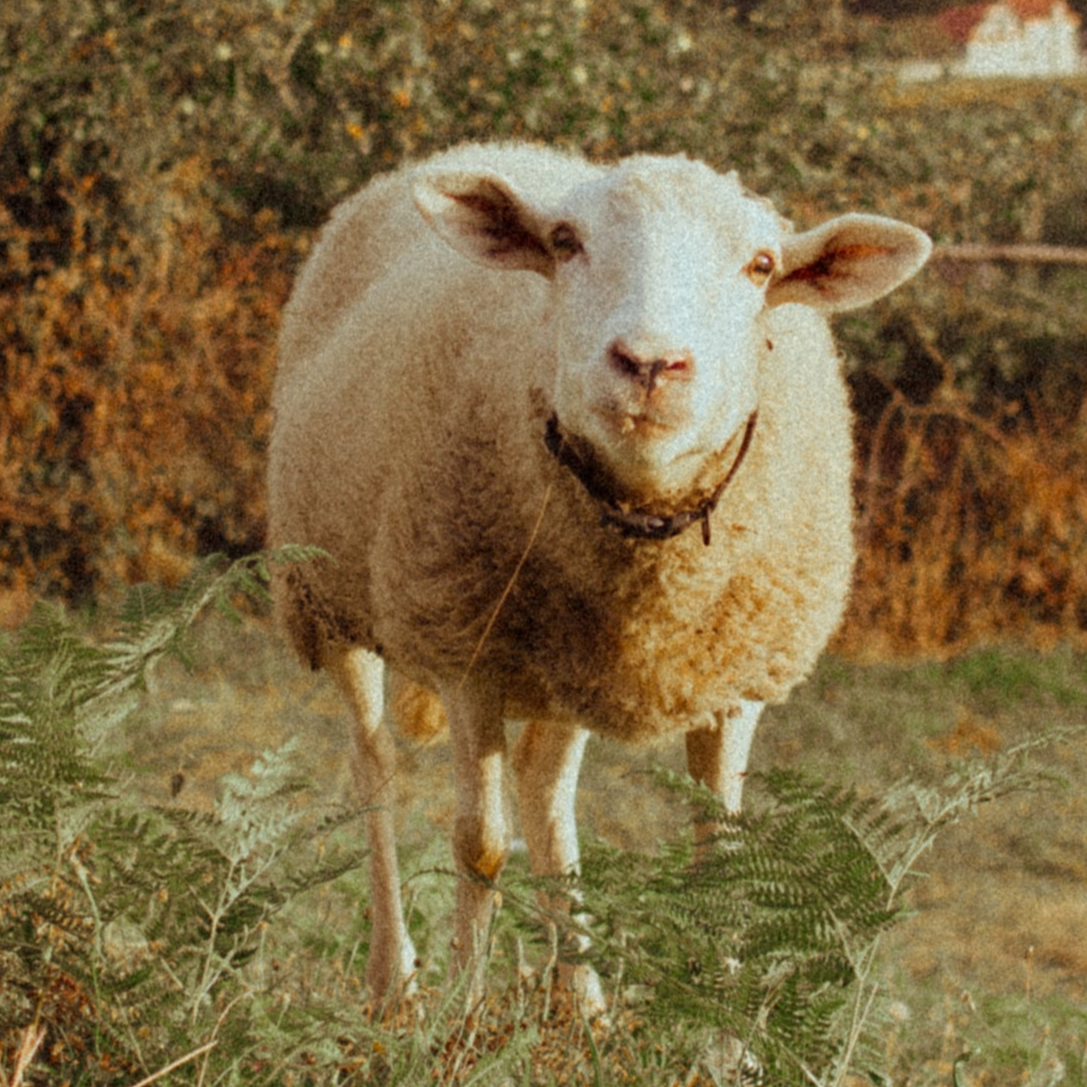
<point>481,217</point>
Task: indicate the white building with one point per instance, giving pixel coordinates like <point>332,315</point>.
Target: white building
<point>1024,38</point>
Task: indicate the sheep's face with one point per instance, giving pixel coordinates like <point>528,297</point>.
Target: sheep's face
<point>662,271</point>
<point>660,282</point>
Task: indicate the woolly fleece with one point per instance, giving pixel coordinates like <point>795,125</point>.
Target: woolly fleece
<point>410,408</point>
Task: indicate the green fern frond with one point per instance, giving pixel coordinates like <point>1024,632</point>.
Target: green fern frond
<point>770,939</point>
<point>120,910</point>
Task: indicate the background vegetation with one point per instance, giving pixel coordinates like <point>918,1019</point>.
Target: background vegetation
<point>163,168</point>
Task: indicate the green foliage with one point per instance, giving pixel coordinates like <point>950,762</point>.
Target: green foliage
<point>136,937</point>
<point>124,928</point>
<point>768,939</point>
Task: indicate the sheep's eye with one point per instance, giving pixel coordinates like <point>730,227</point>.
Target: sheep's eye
<point>564,242</point>
<point>761,268</point>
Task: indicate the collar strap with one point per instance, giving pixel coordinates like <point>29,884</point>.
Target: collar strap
<point>640,524</point>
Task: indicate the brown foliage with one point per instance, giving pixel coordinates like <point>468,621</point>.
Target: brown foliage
<point>140,281</point>
<point>972,528</point>
<point>136,371</point>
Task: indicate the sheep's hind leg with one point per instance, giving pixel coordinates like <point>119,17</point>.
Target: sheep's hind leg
<point>717,757</point>
<point>359,675</point>
<point>481,836</point>
<point>546,762</point>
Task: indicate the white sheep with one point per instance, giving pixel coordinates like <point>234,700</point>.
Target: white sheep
<point>578,440</point>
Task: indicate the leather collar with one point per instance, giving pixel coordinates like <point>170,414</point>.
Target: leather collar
<point>641,524</point>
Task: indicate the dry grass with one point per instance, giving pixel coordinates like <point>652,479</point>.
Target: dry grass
<point>972,529</point>
<point>993,959</point>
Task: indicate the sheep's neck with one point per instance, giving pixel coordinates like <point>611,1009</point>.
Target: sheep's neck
<point>641,523</point>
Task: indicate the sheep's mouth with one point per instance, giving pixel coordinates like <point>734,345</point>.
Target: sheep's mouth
<point>625,518</point>
<point>639,422</point>
<point>643,427</point>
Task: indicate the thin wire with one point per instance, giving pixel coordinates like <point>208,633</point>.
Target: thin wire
<point>509,587</point>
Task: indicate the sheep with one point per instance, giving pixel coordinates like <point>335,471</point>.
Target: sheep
<point>577,439</point>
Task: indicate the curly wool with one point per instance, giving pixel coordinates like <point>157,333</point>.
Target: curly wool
<point>410,446</point>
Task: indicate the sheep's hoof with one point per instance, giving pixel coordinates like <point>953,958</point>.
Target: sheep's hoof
<point>583,983</point>
<point>391,987</point>
<point>729,1061</point>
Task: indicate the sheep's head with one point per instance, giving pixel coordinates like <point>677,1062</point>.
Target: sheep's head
<point>662,271</point>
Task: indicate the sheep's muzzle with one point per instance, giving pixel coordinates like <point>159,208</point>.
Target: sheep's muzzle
<point>640,522</point>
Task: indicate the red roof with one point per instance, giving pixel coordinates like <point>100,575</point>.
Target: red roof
<point>958,23</point>
<point>1031,9</point>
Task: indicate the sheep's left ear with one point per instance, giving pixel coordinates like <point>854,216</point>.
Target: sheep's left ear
<point>847,262</point>
<point>481,216</point>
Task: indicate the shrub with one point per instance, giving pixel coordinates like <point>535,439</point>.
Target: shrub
<point>125,927</point>
<point>165,165</point>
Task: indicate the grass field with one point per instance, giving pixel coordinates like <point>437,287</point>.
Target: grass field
<point>993,960</point>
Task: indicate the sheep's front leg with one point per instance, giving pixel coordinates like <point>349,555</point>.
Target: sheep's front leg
<point>546,761</point>
<point>717,757</point>
<point>359,675</point>
<point>481,836</point>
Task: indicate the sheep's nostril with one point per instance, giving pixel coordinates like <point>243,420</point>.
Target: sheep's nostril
<point>627,364</point>
<point>646,371</point>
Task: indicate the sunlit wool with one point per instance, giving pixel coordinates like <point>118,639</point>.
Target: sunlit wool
<point>654,312</point>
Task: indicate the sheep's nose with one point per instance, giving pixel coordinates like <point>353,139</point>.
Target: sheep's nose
<point>646,371</point>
